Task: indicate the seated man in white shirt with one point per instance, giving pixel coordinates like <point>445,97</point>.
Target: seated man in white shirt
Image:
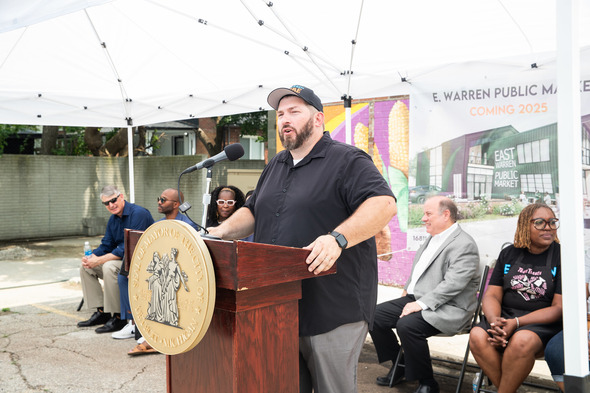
<point>438,298</point>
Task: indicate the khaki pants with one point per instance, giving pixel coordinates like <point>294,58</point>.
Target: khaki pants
<point>94,296</point>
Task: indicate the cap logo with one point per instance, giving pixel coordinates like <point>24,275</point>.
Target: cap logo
<point>307,95</point>
<point>297,89</point>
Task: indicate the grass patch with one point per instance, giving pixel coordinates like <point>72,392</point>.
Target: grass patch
<point>5,311</point>
<point>472,211</point>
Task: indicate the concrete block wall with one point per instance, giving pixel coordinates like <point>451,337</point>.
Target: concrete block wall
<point>55,196</point>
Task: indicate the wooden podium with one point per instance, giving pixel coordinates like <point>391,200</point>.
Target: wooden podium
<point>252,343</point>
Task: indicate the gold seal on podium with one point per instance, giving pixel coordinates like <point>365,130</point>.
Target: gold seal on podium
<point>172,286</point>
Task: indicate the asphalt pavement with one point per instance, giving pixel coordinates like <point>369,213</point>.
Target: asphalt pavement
<point>42,350</point>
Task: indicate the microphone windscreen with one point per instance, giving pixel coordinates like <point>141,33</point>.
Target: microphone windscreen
<point>234,151</point>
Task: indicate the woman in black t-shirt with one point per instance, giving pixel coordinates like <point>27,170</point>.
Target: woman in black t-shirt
<point>522,305</point>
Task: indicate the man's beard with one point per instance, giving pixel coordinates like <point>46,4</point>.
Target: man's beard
<point>300,137</point>
<point>165,210</point>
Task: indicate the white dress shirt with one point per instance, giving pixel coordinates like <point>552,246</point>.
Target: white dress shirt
<point>435,242</point>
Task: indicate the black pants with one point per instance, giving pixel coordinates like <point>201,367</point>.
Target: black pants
<point>413,332</point>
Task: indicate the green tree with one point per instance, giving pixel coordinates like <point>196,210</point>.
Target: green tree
<point>254,123</point>
<point>249,123</point>
<point>58,140</point>
<point>70,144</point>
<point>6,130</point>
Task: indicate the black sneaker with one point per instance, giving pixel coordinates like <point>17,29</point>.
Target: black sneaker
<point>98,318</point>
<point>113,325</point>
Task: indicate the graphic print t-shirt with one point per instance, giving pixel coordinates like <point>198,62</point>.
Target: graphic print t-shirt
<point>526,288</point>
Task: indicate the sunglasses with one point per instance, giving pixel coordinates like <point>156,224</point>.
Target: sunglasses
<point>540,223</point>
<point>111,200</point>
<point>229,202</point>
<point>164,200</point>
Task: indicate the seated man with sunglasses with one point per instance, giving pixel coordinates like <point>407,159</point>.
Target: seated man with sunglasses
<point>105,261</point>
<point>169,202</point>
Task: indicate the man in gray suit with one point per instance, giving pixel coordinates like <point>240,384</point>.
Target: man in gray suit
<point>439,296</point>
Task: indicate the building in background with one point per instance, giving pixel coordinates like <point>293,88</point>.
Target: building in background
<point>180,138</point>
<point>495,164</point>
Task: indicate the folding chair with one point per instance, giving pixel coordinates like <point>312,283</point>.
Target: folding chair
<point>476,318</point>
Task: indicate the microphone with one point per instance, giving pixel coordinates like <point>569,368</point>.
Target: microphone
<point>231,152</point>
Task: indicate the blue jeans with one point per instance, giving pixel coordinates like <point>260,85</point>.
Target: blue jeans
<point>123,282</point>
<point>554,357</point>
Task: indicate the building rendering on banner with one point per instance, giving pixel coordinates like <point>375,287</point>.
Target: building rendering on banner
<point>500,163</point>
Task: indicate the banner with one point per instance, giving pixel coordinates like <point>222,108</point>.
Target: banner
<point>483,134</point>
<point>489,140</point>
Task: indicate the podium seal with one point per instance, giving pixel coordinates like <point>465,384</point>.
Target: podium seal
<point>172,286</point>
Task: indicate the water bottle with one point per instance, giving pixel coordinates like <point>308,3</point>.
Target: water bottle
<point>87,249</point>
<point>475,382</point>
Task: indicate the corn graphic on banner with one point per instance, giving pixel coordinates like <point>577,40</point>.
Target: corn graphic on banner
<point>381,129</point>
<point>399,136</point>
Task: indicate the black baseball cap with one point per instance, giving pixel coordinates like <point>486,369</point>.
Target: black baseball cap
<point>305,93</point>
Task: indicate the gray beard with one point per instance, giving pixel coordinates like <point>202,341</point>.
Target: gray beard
<point>300,138</point>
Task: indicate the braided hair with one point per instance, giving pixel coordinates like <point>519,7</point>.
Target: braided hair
<point>212,208</point>
<point>522,237</point>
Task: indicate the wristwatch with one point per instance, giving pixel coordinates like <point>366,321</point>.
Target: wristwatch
<point>340,239</point>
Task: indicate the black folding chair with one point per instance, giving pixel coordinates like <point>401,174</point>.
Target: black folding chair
<point>464,364</point>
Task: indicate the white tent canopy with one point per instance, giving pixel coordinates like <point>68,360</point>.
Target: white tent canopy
<point>115,63</point>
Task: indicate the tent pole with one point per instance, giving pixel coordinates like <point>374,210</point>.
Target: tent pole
<point>571,204</point>
<point>348,118</point>
<point>131,172</point>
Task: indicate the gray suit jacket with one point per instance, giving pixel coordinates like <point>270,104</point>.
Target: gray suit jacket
<point>449,284</point>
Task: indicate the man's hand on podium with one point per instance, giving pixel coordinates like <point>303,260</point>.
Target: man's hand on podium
<point>324,253</point>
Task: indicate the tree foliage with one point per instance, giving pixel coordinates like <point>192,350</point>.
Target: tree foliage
<point>7,130</point>
<point>70,144</point>
<point>254,123</point>
<point>249,123</point>
<point>79,141</point>
<point>116,142</point>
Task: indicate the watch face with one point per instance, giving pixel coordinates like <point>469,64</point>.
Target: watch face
<point>340,239</point>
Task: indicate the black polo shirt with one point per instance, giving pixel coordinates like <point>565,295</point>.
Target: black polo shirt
<point>293,205</point>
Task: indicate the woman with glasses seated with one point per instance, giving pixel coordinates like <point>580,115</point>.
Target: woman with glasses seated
<point>522,304</point>
<point>225,200</point>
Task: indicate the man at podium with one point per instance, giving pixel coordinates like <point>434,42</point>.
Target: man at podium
<point>330,198</point>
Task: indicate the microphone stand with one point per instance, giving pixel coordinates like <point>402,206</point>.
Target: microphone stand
<point>206,199</point>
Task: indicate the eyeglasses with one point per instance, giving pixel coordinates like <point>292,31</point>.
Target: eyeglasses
<point>229,202</point>
<point>164,200</point>
<point>111,200</point>
<point>540,223</point>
